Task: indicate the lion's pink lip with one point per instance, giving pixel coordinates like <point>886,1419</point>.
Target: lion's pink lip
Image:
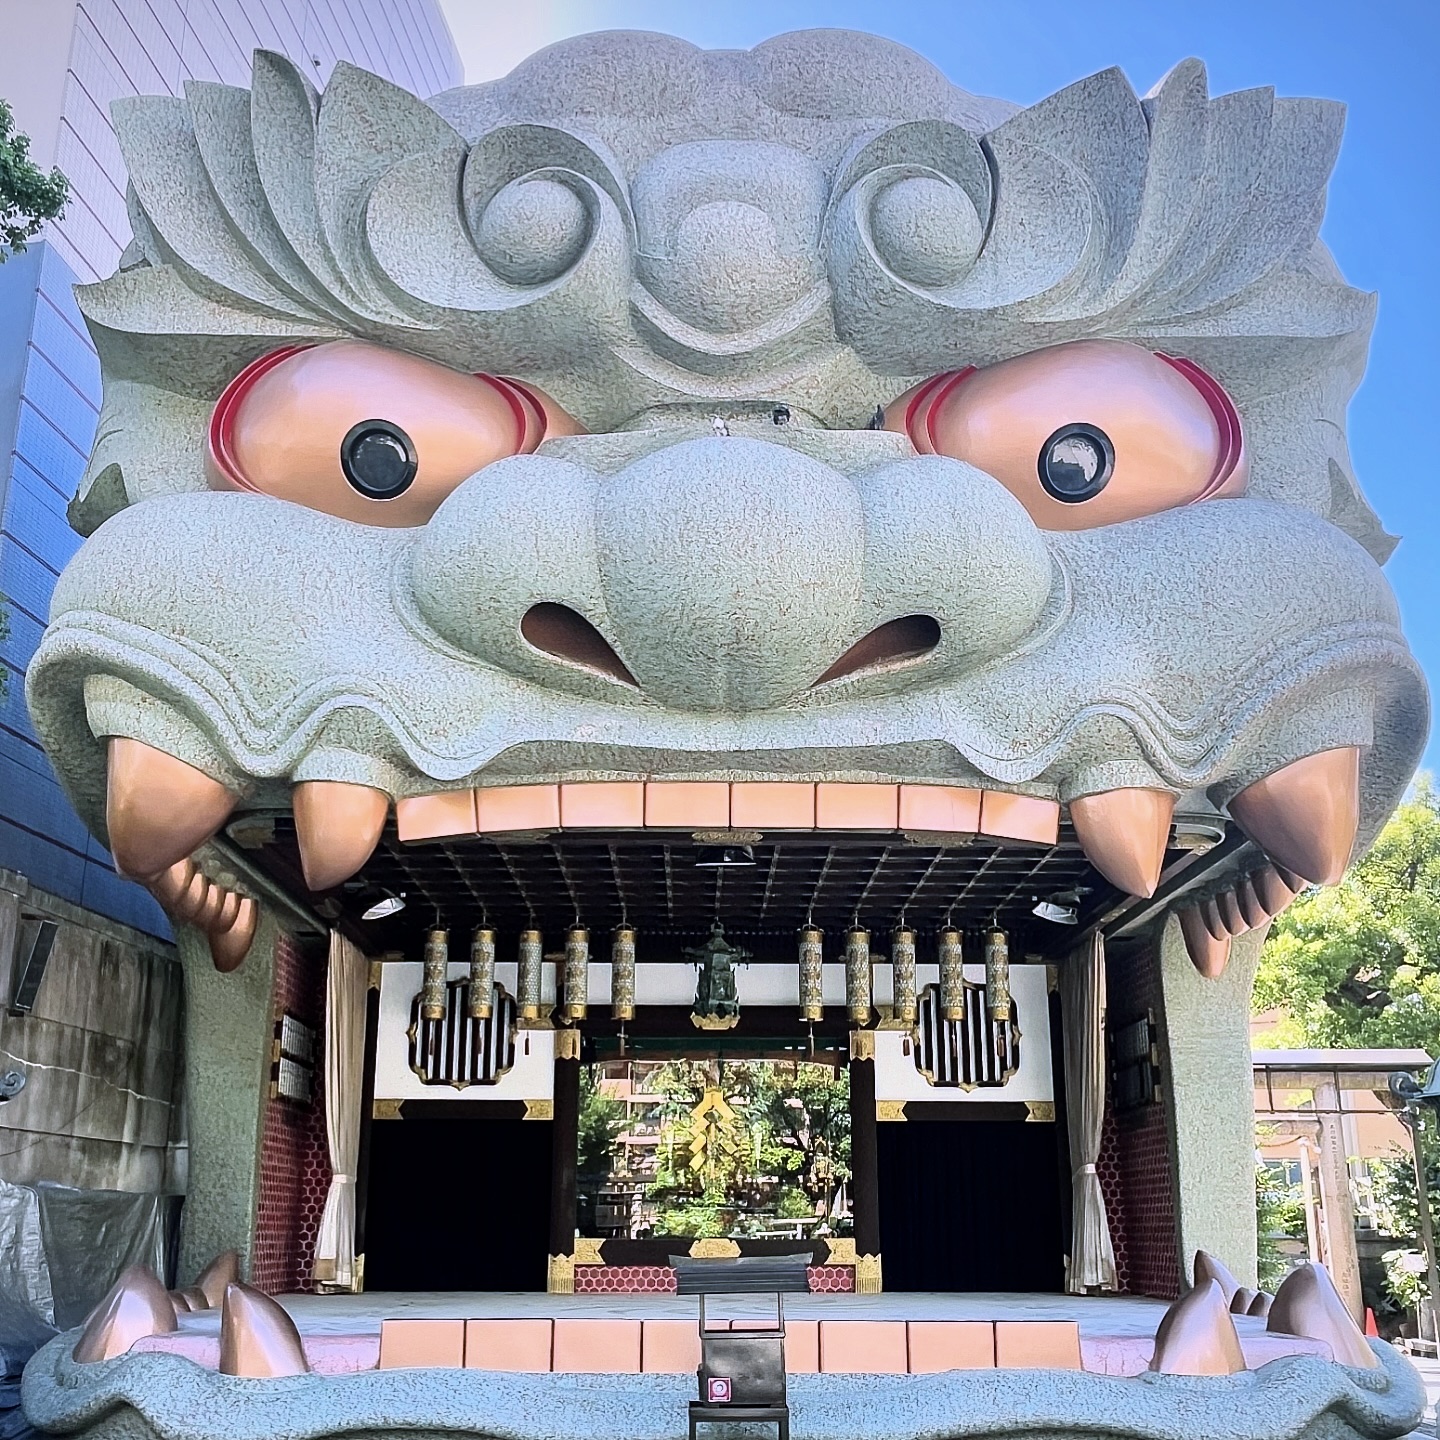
<point>720,805</point>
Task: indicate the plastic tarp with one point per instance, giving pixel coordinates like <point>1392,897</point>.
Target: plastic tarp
<point>61,1249</point>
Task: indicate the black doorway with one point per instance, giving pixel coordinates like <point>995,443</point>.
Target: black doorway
<point>457,1205</point>
<point>970,1205</point>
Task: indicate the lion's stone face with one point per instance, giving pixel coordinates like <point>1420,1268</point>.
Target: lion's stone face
<point>789,415</point>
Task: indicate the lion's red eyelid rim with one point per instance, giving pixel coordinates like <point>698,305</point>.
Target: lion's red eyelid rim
<point>1232,442</point>
<point>222,418</point>
<point>528,410</point>
<point>935,392</point>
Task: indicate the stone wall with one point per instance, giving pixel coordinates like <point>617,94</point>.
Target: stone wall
<point>102,1052</point>
<point>1210,1100</point>
<point>294,1161</point>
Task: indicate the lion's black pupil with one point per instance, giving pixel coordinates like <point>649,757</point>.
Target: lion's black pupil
<point>1076,463</point>
<point>378,459</point>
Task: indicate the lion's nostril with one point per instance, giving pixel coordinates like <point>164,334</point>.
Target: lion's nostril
<point>560,631</point>
<point>907,638</point>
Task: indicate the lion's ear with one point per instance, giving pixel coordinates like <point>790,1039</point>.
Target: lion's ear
<point>101,495</point>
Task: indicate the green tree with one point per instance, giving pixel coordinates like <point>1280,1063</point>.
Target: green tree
<point>28,197</point>
<point>601,1123</point>
<point>1279,1214</point>
<point>1359,964</point>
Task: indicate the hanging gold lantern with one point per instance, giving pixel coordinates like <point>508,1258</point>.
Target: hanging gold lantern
<point>902,974</point>
<point>952,975</point>
<point>437,964</point>
<point>482,973</point>
<point>812,974</point>
<point>577,972</point>
<point>997,976</point>
<point>622,973</point>
<point>857,975</point>
<point>529,974</point>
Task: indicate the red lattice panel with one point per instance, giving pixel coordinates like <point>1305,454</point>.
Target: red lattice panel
<point>624,1279</point>
<point>294,1160</point>
<point>830,1279</point>
<point>660,1279</point>
<point>1134,1164</point>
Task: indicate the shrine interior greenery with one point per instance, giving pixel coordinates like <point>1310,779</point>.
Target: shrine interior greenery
<point>697,1148</point>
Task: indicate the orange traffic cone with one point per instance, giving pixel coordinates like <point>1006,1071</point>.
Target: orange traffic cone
<point>1371,1328</point>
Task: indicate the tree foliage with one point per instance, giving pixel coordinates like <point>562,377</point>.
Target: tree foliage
<point>1359,964</point>
<point>28,197</point>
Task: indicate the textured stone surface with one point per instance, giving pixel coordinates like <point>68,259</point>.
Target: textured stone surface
<point>652,234</point>
<point>722,264</point>
<point>1210,1100</point>
<point>228,1028</point>
<point>146,1396</point>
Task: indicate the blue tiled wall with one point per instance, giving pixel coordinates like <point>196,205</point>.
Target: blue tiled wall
<point>49,399</point>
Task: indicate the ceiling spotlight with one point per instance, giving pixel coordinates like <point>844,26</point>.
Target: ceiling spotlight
<point>381,909</point>
<point>1056,914</point>
<point>724,857</point>
<point>1063,907</point>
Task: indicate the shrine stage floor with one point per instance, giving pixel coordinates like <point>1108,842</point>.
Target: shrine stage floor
<point>1099,1315</point>
<point>341,1333</point>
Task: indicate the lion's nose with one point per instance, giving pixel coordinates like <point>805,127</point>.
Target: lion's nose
<point>730,575</point>
<point>731,571</point>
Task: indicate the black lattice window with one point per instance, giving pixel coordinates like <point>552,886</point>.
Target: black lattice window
<point>458,1050</point>
<point>970,1054</point>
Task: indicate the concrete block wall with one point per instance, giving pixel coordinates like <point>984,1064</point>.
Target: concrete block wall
<point>102,1053</point>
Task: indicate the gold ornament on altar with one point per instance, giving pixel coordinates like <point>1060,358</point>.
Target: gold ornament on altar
<point>952,975</point>
<point>622,973</point>
<point>432,985</point>
<point>529,973</point>
<point>857,976</point>
<point>812,974</point>
<point>902,975</point>
<point>482,973</point>
<point>717,1137</point>
<point>997,976</point>
<point>577,973</point>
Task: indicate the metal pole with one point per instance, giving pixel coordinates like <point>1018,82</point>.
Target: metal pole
<point>1427,1230</point>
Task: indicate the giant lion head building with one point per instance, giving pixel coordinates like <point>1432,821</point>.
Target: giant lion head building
<point>770,496</point>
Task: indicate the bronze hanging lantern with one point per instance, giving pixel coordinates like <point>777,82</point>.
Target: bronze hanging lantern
<point>482,973</point>
<point>577,973</point>
<point>952,974</point>
<point>857,976</point>
<point>622,973</point>
<point>997,976</point>
<point>529,974</point>
<point>902,975</point>
<point>812,974</point>
<point>437,965</point>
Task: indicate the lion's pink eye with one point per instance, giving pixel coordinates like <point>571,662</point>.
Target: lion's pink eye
<point>1084,434</point>
<point>368,434</point>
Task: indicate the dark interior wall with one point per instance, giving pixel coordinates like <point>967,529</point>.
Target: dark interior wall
<point>970,1205</point>
<point>1135,1167</point>
<point>457,1205</point>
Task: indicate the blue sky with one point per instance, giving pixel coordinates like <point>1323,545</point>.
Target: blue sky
<point>1383,222</point>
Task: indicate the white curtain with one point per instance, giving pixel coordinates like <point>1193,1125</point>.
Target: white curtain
<point>1082,996</point>
<point>346,985</point>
